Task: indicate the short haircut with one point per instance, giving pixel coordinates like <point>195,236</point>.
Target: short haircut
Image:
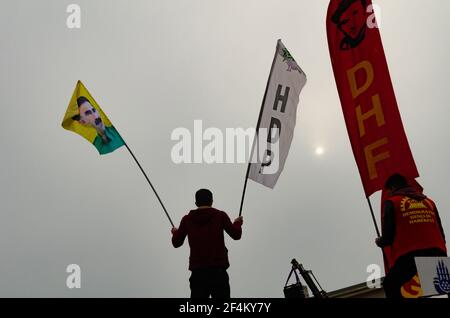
<point>343,6</point>
<point>203,197</point>
<point>80,101</point>
<point>396,181</point>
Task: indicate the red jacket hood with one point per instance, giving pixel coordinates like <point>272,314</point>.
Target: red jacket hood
<point>202,216</point>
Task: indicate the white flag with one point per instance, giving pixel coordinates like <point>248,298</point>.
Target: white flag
<point>277,119</point>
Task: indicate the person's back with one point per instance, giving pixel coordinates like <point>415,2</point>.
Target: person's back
<point>205,231</point>
<point>410,220</point>
<point>417,225</point>
<point>208,259</point>
<point>411,228</point>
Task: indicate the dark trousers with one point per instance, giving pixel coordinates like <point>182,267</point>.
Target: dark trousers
<point>212,282</point>
<point>404,270</point>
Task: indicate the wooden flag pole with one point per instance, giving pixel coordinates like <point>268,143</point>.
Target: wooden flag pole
<point>257,128</point>
<point>151,185</point>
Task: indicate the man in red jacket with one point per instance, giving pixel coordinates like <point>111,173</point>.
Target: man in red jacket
<point>208,261</point>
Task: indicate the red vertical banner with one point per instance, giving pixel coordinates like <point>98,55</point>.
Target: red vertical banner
<point>367,96</point>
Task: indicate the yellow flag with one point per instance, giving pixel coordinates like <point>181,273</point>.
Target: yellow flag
<point>85,117</point>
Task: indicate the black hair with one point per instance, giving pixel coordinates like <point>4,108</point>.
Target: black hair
<point>396,181</point>
<point>203,197</point>
<point>80,101</point>
<point>343,6</point>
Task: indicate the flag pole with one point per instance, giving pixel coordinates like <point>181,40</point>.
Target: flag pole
<point>378,233</point>
<point>373,217</point>
<point>151,185</point>
<point>257,128</point>
<point>245,188</point>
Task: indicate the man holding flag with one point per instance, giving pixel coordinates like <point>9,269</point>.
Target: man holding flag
<point>378,139</point>
<point>411,228</point>
<point>208,260</point>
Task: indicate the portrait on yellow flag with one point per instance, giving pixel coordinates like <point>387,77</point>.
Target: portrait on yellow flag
<point>85,117</point>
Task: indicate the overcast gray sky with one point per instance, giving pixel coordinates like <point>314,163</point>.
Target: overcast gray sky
<point>154,66</point>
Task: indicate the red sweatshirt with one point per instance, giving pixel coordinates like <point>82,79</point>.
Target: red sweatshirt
<point>204,229</point>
